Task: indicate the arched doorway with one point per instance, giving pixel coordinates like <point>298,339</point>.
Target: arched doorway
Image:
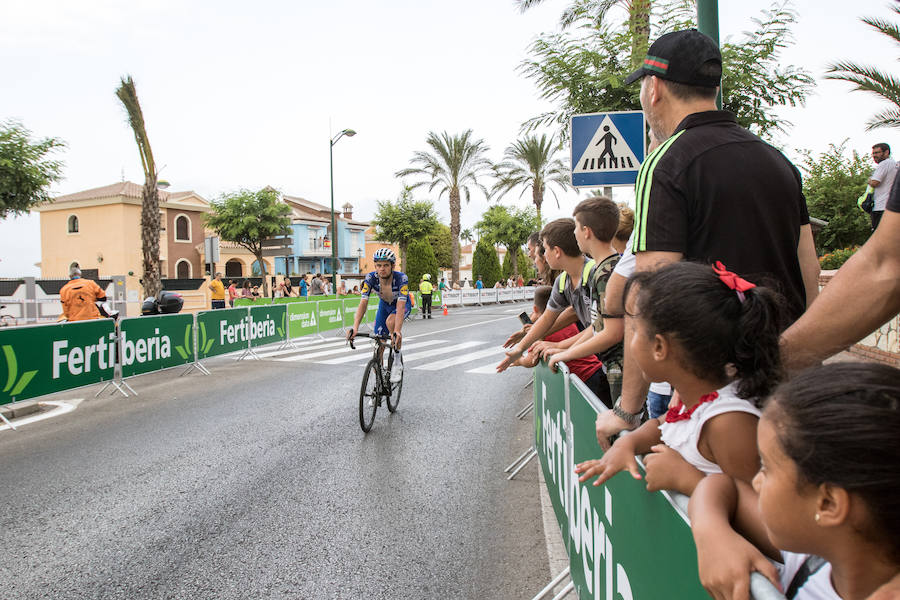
<point>234,268</point>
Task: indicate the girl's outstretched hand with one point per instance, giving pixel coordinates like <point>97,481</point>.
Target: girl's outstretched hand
<point>667,470</point>
<point>618,458</point>
<point>724,562</point>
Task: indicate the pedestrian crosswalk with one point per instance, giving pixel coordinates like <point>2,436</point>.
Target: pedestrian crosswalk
<point>416,353</point>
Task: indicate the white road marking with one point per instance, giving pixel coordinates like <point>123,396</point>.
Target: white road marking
<point>454,328</point>
<point>458,360</point>
<point>489,368</point>
<point>439,351</point>
<point>368,353</point>
<point>359,352</point>
<point>62,407</point>
<point>317,345</point>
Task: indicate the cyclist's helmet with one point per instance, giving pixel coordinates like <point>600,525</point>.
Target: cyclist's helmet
<point>427,276</point>
<point>385,254</point>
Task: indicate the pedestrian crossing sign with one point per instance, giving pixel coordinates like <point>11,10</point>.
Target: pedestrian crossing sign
<point>607,148</point>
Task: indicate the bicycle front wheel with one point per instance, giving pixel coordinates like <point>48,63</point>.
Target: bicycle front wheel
<point>368,396</point>
<point>394,399</point>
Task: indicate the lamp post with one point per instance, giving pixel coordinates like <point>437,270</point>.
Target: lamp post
<point>333,141</point>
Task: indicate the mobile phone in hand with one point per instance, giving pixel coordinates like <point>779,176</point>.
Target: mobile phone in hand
<point>524,318</point>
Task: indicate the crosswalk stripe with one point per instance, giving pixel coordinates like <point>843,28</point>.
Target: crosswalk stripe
<point>368,353</point>
<point>439,351</point>
<point>458,360</point>
<point>319,345</point>
<point>359,353</point>
<point>489,368</point>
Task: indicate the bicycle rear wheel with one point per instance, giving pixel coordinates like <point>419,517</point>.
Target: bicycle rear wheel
<point>394,399</point>
<point>368,396</point>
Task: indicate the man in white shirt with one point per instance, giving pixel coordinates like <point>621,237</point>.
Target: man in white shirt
<point>882,180</point>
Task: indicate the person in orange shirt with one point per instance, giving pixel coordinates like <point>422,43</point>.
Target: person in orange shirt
<point>79,296</point>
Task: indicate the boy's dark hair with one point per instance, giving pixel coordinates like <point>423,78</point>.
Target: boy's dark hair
<point>713,327</point>
<point>883,147</point>
<point>600,215</point>
<point>561,233</point>
<point>683,91</point>
<point>534,239</point>
<point>839,425</point>
<point>542,297</point>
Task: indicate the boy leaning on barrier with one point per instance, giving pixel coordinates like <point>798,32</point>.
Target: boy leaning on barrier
<point>573,286</point>
<point>589,369</point>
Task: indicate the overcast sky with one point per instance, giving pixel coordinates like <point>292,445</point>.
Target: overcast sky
<point>246,95</point>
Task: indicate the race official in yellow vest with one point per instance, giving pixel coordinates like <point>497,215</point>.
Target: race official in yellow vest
<point>426,289</point>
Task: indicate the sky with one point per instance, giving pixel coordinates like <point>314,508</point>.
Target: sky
<point>245,95</point>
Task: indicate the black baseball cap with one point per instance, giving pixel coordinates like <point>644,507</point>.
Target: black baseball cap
<point>678,56</point>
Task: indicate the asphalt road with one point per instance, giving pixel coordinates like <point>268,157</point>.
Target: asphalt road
<point>256,482</point>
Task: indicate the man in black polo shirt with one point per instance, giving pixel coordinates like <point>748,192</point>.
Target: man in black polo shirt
<point>711,191</point>
<point>863,295</point>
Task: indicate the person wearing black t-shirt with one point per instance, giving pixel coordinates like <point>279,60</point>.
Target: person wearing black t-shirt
<point>864,294</point>
<point>711,191</point>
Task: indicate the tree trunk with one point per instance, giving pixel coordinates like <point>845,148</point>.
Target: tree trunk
<point>403,248</point>
<point>262,270</point>
<point>150,237</point>
<point>537,196</point>
<point>513,254</point>
<point>639,26</point>
<point>454,232</point>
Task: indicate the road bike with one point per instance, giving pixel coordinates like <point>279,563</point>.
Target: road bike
<point>376,382</point>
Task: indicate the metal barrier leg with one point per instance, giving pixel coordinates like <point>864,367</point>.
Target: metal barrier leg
<point>520,463</point>
<point>565,591</point>
<point>527,409</point>
<point>515,462</point>
<point>5,420</point>
<point>555,582</point>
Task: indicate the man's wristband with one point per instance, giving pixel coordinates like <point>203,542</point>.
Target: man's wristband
<point>631,418</point>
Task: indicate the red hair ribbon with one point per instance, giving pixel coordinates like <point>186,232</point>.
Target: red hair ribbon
<point>732,280</point>
<point>674,414</point>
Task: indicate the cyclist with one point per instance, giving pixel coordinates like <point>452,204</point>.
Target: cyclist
<point>392,288</point>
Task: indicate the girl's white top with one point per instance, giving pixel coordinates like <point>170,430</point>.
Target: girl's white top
<point>817,587</point>
<point>684,436</point>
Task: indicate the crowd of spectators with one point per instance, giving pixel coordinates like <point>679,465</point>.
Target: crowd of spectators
<point>792,473</point>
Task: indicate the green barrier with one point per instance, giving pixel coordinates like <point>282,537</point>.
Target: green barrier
<point>267,324</point>
<point>302,319</point>
<point>51,358</point>
<point>155,343</point>
<point>329,314</point>
<point>222,331</point>
<point>622,541</point>
<point>372,310</point>
<point>350,306</point>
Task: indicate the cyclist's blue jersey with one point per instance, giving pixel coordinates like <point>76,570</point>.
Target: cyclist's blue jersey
<point>399,287</point>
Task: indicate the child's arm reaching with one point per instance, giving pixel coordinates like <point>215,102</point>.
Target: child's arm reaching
<point>724,558</point>
<point>620,457</point>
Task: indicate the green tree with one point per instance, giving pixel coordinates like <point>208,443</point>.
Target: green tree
<point>127,94</point>
<point>421,261</point>
<point>869,79</point>
<point>454,164</point>
<point>467,236</point>
<point>26,171</point>
<point>582,68</point>
<point>509,227</point>
<point>442,242</point>
<point>832,183</point>
<point>530,163</point>
<point>403,221</point>
<point>485,263</point>
<point>247,218</point>
<point>522,262</point>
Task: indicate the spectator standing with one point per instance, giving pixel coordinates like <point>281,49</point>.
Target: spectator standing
<point>520,282</point>
<point>246,291</point>
<point>218,291</point>
<point>287,288</point>
<point>303,287</point>
<point>479,284</point>
<point>232,293</point>
<point>317,287</point>
<point>442,285</point>
<point>710,191</point>
<point>79,297</point>
<point>881,180</point>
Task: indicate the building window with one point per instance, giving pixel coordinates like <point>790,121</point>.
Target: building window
<point>234,268</point>
<point>73,224</point>
<point>182,228</point>
<point>183,269</point>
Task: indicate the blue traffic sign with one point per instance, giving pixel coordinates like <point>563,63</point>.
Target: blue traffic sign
<point>607,148</point>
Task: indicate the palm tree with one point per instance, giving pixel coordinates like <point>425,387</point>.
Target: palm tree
<point>455,163</point>
<point>530,163</point>
<point>150,196</point>
<point>870,79</point>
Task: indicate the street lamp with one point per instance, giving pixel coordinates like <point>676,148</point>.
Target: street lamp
<point>334,140</point>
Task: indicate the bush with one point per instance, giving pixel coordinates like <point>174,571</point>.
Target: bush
<point>485,264</point>
<point>834,260</point>
<point>420,260</point>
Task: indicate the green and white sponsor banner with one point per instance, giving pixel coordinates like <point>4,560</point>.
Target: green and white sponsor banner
<point>349,307</point>
<point>267,324</point>
<point>44,359</point>
<point>614,533</point>
<point>302,319</point>
<point>222,331</point>
<point>329,314</point>
<point>155,343</point>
